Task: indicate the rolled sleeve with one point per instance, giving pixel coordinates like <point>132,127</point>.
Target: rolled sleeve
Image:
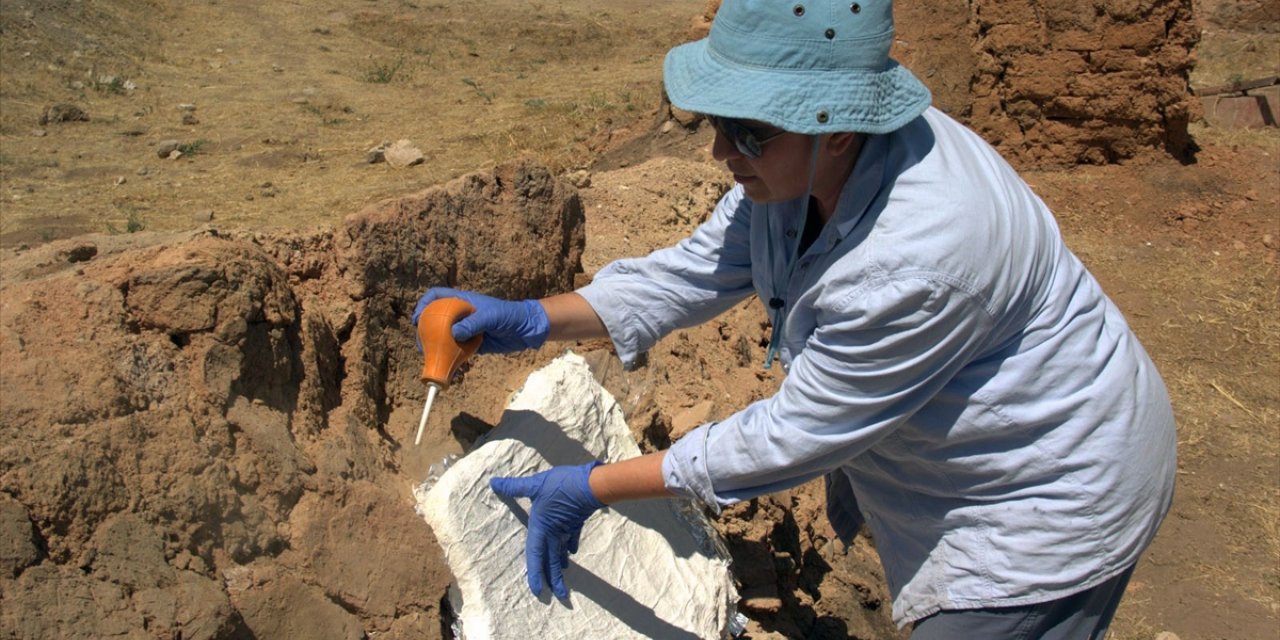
<point>684,469</point>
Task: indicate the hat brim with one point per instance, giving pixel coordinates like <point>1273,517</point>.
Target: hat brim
<point>803,101</point>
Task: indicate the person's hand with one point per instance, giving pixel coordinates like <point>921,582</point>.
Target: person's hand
<point>562,502</point>
<point>507,325</point>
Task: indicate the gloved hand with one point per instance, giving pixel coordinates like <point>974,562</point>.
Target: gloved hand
<point>562,502</point>
<point>507,325</point>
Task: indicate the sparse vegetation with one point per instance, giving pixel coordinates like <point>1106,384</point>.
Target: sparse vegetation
<point>326,120</point>
<point>383,72</point>
<point>487,96</point>
<point>110,85</point>
<point>132,224</point>
<point>192,148</point>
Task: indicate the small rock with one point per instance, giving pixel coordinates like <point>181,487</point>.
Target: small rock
<point>186,106</point>
<point>121,180</point>
<point>762,605</point>
<point>580,179</point>
<point>1167,635</point>
<point>668,126</point>
<point>190,119</point>
<point>39,133</point>
<point>299,100</point>
<point>167,147</point>
<point>686,119</point>
<point>63,112</point>
<point>403,154</point>
<point>204,215</point>
<point>761,599</point>
<point>834,548</point>
<point>174,155</point>
<point>1269,241</point>
<point>277,68</point>
<point>142,171</point>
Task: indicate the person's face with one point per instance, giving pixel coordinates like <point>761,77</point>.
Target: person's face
<point>780,170</point>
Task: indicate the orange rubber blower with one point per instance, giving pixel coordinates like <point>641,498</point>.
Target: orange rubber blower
<point>441,354</point>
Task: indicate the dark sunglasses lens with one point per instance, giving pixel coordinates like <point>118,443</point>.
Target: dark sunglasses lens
<point>741,137</point>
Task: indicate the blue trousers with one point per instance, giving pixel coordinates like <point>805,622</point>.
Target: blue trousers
<point>1080,616</point>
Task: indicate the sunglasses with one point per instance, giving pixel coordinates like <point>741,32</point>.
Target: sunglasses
<point>744,139</point>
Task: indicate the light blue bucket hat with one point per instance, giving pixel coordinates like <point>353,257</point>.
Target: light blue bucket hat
<point>806,66</point>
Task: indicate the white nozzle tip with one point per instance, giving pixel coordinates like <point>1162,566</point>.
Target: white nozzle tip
<point>432,389</point>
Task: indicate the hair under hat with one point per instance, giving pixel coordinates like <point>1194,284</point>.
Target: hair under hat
<point>806,66</point>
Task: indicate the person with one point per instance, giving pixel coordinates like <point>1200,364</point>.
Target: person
<point>953,371</point>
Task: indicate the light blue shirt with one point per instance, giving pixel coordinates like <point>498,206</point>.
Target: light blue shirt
<point>1008,439</point>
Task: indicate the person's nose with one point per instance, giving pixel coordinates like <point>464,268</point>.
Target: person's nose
<point>723,149</point>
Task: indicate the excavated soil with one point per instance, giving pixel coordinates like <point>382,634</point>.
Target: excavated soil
<point>206,426</point>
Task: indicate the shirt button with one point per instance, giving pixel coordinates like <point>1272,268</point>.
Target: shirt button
<point>791,233</point>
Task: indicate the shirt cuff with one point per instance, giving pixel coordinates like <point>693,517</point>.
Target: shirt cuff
<point>684,468</point>
<point>604,301</point>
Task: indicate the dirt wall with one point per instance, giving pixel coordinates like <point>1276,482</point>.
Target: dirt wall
<point>193,435</point>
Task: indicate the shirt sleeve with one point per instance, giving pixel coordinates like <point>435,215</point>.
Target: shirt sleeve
<point>640,300</point>
<point>880,353</point>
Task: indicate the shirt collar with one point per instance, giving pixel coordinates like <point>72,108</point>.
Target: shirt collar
<point>862,187</point>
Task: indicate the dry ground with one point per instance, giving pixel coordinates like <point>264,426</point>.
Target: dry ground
<point>289,96</point>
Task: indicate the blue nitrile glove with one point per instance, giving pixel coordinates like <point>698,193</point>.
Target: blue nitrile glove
<point>507,325</point>
<point>562,502</point>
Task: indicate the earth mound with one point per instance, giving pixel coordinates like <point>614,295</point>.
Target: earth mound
<point>194,426</point>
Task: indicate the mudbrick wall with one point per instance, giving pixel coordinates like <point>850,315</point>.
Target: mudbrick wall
<point>1059,82</point>
<point>1053,83</point>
